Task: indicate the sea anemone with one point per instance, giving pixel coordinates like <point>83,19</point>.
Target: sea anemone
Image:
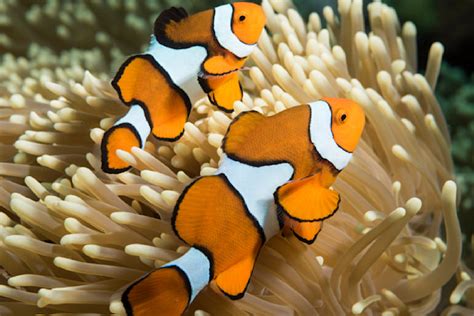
<point>72,237</point>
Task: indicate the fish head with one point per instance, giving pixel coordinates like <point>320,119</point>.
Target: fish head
<point>248,21</point>
<point>348,121</point>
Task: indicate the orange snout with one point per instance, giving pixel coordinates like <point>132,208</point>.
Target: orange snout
<point>248,21</point>
<point>348,121</point>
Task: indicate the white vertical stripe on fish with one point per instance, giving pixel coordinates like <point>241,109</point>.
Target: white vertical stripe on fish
<point>323,138</point>
<point>182,65</point>
<point>256,185</point>
<point>222,26</point>
<point>136,117</point>
<point>196,266</point>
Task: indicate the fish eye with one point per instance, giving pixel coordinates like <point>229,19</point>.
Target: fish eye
<point>341,117</point>
<point>242,18</point>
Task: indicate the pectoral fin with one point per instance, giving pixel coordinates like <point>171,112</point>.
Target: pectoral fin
<point>227,93</point>
<point>306,201</point>
<point>221,65</point>
<point>233,281</point>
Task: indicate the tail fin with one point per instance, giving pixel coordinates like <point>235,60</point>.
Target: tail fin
<point>170,289</point>
<point>132,130</point>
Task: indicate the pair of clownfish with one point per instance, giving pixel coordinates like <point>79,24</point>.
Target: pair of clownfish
<point>260,192</point>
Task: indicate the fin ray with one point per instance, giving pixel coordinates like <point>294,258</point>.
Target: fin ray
<point>305,200</point>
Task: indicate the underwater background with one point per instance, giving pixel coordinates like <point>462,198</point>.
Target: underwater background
<point>436,20</point>
<point>98,35</point>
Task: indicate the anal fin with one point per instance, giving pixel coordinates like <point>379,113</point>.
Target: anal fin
<point>234,281</point>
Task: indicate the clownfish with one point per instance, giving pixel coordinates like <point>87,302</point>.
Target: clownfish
<point>275,174</point>
<point>188,57</point>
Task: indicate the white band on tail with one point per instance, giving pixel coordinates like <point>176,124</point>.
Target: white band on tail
<point>225,36</point>
<point>196,266</point>
<point>322,137</point>
<point>136,117</point>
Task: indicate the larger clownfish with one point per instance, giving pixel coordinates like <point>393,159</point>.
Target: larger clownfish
<point>188,57</point>
<point>275,174</point>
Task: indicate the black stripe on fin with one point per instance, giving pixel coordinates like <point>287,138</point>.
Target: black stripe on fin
<point>125,299</point>
<point>172,14</point>
<point>306,241</point>
<point>105,153</point>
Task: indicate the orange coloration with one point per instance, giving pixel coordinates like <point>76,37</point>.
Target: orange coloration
<point>307,200</point>
<point>306,231</point>
<point>212,215</point>
<point>192,30</point>
<point>251,139</point>
<point>283,137</point>
<point>248,21</point>
<point>225,89</point>
<point>120,137</point>
<point>227,93</point>
<point>221,65</point>
<point>233,281</point>
<point>348,122</point>
<point>167,108</point>
<point>162,292</point>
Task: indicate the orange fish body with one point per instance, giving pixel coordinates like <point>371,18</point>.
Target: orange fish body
<point>188,57</point>
<point>275,174</point>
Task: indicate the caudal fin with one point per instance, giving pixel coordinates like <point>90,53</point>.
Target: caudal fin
<point>130,131</point>
<point>170,289</point>
<point>162,292</point>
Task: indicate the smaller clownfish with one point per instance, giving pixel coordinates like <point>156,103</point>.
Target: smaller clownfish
<point>275,174</point>
<point>188,57</point>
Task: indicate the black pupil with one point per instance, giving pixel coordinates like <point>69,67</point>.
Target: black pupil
<point>343,117</point>
<point>242,17</point>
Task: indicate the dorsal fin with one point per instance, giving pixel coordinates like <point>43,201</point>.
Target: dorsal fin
<point>239,130</point>
<point>172,14</point>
